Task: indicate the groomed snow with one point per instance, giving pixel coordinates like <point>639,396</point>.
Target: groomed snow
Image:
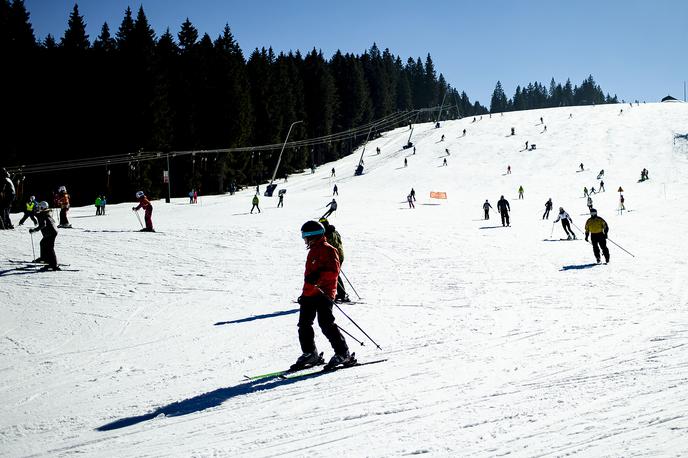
<point>499,340</point>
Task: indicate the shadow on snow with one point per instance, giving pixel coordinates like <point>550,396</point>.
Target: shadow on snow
<point>259,317</point>
<point>578,266</point>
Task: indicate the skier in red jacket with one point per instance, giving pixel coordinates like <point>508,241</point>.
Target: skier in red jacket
<point>148,207</point>
<point>317,297</point>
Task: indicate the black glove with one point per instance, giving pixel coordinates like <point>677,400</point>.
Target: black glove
<point>32,230</point>
<point>311,278</point>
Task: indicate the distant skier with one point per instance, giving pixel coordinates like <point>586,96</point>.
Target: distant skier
<point>446,150</point>
<point>414,150</point>
<point>280,202</point>
<point>541,120</point>
<point>195,196</point>
<point>598,229</point>
<point>148,208</point>
<point>332,174</point>
<point>592,191</point>
<point>565,223</point>
<point>97,205</point>
<point>602,186</point>
<point>333,208</point>
<point>378,150</point>
<point>600,175</point>
<point>513,131</point>
<point>405,162</point>
<point>548,207</point>
<point>413,194</point>
<point>46,225</point>
<point>442,139</point>
<point>444,162</point>
<point>335,239</point>
<point>464,132</point>
<point>520,192</point>
<point>191,196</point>
<point>63,203</point>
<point>545,130</point>
<point>317,296</point>
<point>103,203</point>
<point>504,209</point>
<point>581,167</point>
<point>585,191</point>
<point>622,201</point>
<point>255,203</point>
<point>526,148</point>
<point>29,210</point>
<point>589,203</point>
<point>487,207</point>
<point>335,190</point>
<point>508,170</point>
<point>409,199</point>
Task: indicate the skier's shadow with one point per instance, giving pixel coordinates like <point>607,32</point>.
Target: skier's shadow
<point>18,271</point>
<point>578,267</point>
<point>207,400</point>
<point>490,227</point>
<point>259,317</point>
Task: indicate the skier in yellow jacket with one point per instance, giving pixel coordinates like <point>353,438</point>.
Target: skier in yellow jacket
<point>598,229</point>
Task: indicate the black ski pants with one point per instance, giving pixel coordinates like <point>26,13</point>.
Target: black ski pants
<point>63,216</point>
<point>254,207</point>
<point>505,218</point>
<point>567,227</point>
<point>320,306</point>
<point>341,291</point>
<point>487,214</point>
<point>28,215</point>
<point>599,240</point>
<point>546,214</point>
<point>48,250</point>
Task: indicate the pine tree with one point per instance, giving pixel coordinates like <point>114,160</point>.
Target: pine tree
<point>188,35</point>
<point>105,43</point>
<point>498,103</point>
<point>75,38</point>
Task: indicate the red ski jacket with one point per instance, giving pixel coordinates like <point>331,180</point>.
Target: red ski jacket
<point>322,270</point>
<point>144,203</point>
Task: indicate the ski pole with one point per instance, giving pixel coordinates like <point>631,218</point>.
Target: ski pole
<point>552,232</point>
<point>610,241</point>
<point>352,286</point>
<point>138,218</point>
<point>347,333</point>
<point>32,247</point>
<point>356,324</point>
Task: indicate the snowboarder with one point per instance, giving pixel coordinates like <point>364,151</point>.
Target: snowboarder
<point>413,194</point>
<point>602,186</point>
<point>508,170</point>
<point>598,229</point>
<point>7,196</point>
<point>548,207</point>
<point>565,223</point>
<point>520,192</point>
<point>335,239</point>
<point>600,175</point>
<point>487,207</point>
<point>444,163</point>
<point>409,199</point>
<point>405,162</point>
<point>317,296</point>
<point>589,203</point>
<point>504,209</point>
<point>333,208</point>
<point>29,210</point>
<point>280,202</point>
<point>332,174</point>
<point>335,190</point>
<point>148,208</point>
<point>46,225</point>
<point>581,167</point>
<point>255,202</point>
<point>63,203</point>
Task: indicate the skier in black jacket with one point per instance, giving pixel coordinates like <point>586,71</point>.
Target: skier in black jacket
<point>46,225</point>
<point>548,207</point>
<point>504,209</point>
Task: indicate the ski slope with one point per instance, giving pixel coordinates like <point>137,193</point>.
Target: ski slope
<point>499,341</point>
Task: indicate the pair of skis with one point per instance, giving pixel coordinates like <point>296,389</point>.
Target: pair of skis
<point>310,370</point>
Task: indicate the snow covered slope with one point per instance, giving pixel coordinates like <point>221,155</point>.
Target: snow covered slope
<point>499,340</point>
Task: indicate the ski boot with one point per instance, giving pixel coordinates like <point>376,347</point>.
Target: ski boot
<point>307,360</point>
<point>343,360</point>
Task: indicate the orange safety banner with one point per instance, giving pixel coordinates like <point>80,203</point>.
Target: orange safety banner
<point>438,195</point>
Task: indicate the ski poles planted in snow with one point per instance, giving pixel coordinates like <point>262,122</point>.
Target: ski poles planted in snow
<point>348,334</point>
<point>356,324</point>
<point>352,286</point>
<point>138,218</point>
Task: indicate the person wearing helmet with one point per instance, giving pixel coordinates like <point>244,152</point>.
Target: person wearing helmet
<point>46,224</point>
<point>29,210</point>
<point>565,223</point>
<point>7,196</point>
<point>597,229</point>
<point>317,296</point>
<point>63,203</point>
<point>148,207</point>
<point>486,208</point>
<point>332,209</point>
<point>504,209</point>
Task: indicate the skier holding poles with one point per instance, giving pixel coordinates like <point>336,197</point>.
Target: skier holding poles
<point>565,223</point>
<point>317,299</point>
<point>486,208</point>
<point>599,230</point>
<point>148,208</point>
<point>46,225</point>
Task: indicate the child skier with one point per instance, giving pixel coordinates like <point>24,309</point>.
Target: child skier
<point>148,208</point>
<point>255,202</point>
<point>317,296</point>
<point>409,199</point>
<point>598,228</point>
<point>63,203</point>
<point>487,207</point>
<point>29,210</point>
<point>565,223</point>
<point>46,225</point>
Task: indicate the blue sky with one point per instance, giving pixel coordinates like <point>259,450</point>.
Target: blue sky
<point>636,49</point>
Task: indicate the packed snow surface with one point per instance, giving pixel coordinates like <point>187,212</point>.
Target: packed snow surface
<point>498,340</point>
